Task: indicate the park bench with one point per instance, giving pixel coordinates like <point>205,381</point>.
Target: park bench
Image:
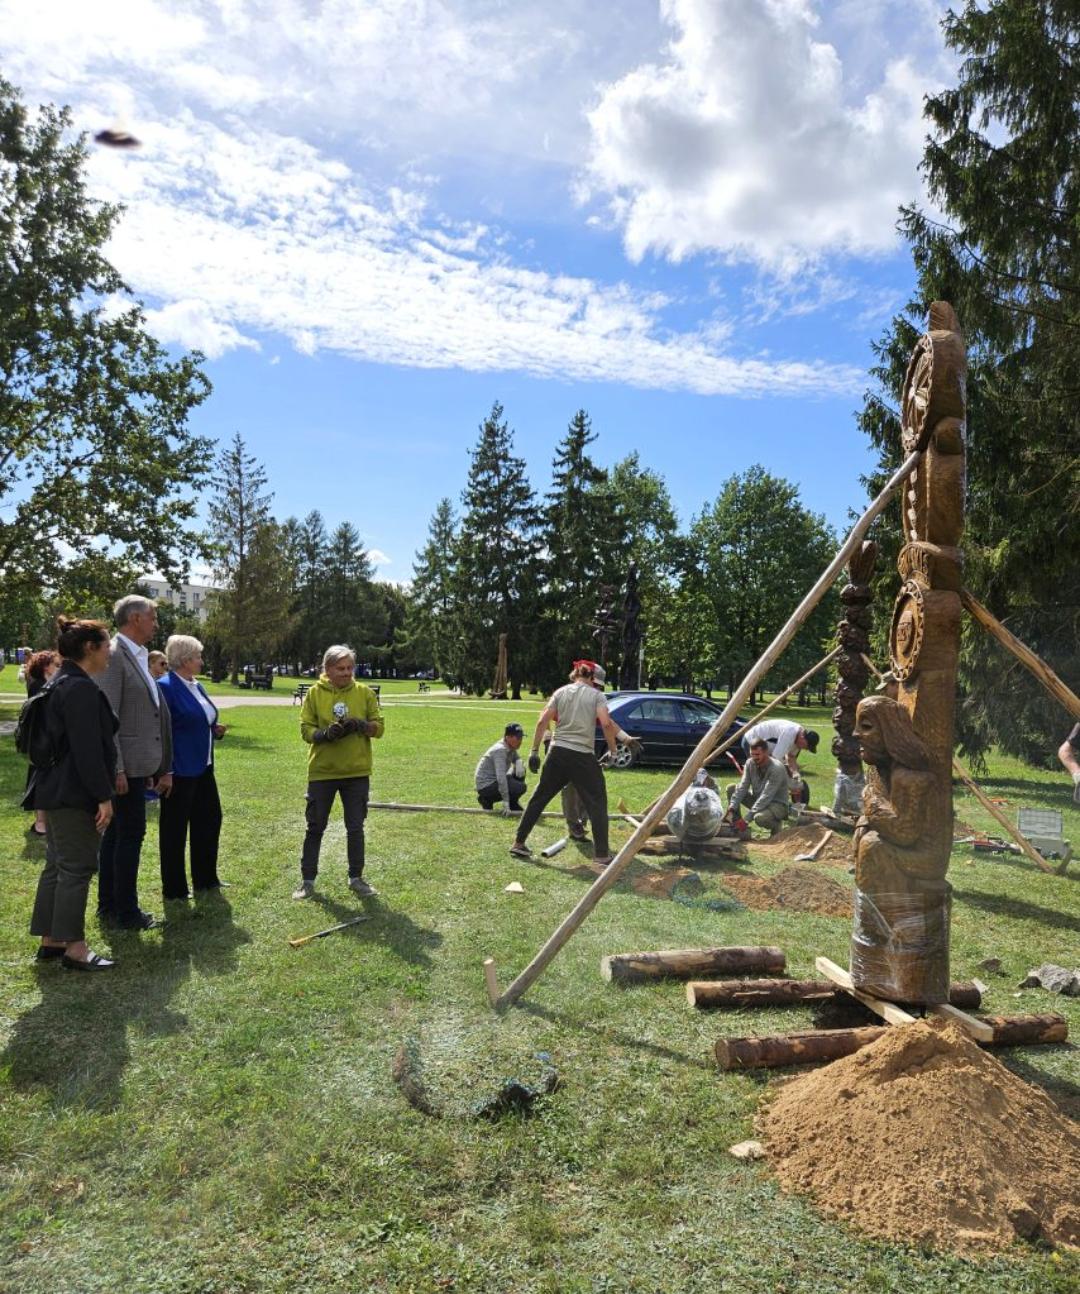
<point>258,681</point>
<point>302,689</point>
<point>422,686</point>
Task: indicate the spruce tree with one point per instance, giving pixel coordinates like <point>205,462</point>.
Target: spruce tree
<point>495,575</point>
<point>432,604</point>
<point>1001,166</point>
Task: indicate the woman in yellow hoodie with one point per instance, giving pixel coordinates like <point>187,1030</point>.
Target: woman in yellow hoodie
<point>338,720</point>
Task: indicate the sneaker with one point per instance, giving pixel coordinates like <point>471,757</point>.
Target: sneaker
<point>304,891</point>
<point>520,851</point>
<point>361,888</point>
<point>577,832</point>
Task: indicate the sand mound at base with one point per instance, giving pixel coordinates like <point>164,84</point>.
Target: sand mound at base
<point>801,840</point>
<point>796,889</point>
<point>923,1137</point>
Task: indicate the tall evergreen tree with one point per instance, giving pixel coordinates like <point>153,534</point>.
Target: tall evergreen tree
<point>1001,164</point>
<point>251,613</point>
<point>582,552</point>
<point>495,572</point>
<point>432,603</point>
<point>354,613</point>
<point>311,587</point>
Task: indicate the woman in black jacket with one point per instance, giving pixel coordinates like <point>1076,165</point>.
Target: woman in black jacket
<point>76,793</point>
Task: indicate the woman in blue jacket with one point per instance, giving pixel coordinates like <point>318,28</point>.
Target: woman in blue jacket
<point>193,806</point>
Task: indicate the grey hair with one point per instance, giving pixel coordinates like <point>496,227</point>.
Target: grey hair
<point>338,652</point>
<point>132,605</point>
<point>180,648</point>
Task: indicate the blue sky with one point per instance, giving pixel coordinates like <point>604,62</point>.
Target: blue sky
<point>376,217</point>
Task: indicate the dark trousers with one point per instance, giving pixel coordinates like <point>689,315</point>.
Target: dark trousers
<point>320,800</point>
<point>489,795</point>
<point>580,770</point>
<point>193,807</point>
<point>71,858</point>
<point>121,845</point>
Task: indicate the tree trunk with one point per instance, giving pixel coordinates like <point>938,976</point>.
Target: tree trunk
<point>707,994</point>
<point>687,963</point>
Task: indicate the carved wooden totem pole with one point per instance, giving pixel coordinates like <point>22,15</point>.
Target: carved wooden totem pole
<point>900,945</point>
<point>853,634</point>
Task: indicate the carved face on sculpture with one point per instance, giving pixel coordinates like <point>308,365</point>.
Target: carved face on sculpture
<point>870,737</point>
<point>885,734</point>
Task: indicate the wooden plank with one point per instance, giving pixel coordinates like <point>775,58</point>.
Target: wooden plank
<point>1039,668</point>
<point>887,1010</point>
<point>999,817</point>
<point>977,1029</point>
<point>705,747</point>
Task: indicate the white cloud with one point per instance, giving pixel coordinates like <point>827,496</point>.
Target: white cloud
<point>747,140</point>
<point>191,324</point>
<point>378,557</point>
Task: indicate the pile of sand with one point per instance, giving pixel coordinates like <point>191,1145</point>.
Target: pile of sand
<point>923,1137</point>
<point>796,889</point>
<point>788,843</point>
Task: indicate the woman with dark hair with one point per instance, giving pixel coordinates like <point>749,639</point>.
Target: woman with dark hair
<point>76,792</point>
<point>576,709</point>
<point>192,808</point>
<point>36,672</point>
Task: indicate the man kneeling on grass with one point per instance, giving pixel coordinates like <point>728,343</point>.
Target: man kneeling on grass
<point>763,789</point>
<point>500,775</point>
<point>338,719</point>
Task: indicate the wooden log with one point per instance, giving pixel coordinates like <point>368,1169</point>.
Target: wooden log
<point>803,1048</point>
<point>1018,1030</point>
<point>718,847</point>
<point>460,808</point>
<point>710,994</point>
<point>571,923</point>
<point>999,817</point>
<point>689,963</point>
<point>1045,675</point>
<point>815,1045</point>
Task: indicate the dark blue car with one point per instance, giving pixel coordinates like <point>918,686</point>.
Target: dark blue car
<point>669,724</point>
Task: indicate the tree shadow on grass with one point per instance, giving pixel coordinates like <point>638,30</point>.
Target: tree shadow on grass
<point>1065,1092</point>
<point>616,1035</point>
<point>1002,905</point>
<point>1059,793</point>
<point>412,943</point>
<point>75,1042</point>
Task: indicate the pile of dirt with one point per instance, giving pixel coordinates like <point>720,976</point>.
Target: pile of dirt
<point>924,1138</point>
<point>796,889</point>
<point>838,850</point>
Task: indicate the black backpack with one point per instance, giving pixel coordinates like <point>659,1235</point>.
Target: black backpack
<point>32,736</point>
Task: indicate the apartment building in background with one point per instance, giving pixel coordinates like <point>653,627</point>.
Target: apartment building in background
<point>185,597</point>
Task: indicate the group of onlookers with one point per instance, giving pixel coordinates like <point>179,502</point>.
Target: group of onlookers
<point>116,731</point>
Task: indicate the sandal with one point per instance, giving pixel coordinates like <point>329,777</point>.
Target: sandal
<point>95,962</point>
<point>49,952</point>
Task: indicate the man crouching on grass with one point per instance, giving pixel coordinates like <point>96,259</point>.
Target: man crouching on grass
<point>338,719</point>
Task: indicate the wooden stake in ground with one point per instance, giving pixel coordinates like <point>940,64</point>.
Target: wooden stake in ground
<point>999,817</point>
<point>688,963</point>
<point>705,747</point>
<point>1023,654</point>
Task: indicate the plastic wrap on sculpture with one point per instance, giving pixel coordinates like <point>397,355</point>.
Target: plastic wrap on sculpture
<point>696,814</point>
<point>847,793</point>
<point>900,942</point>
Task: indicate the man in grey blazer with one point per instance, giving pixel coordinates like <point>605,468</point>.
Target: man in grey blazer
<point>143,760</point>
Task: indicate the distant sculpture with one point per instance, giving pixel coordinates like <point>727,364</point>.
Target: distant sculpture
<point>853,633</point>
<point>696,815</point>
<point>631,633</point>
<point>498,686</point>
<point>900,944</point>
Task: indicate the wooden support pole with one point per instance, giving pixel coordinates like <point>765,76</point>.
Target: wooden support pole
<point>810,1045</point>
<point>689,963</point>
<point>460,808</point>
<point>491,980</point>
<point>999,817</point>
<point>708,995</point>
<point>706,745</point>
<point>780,697</point>
<point>1045,675</point>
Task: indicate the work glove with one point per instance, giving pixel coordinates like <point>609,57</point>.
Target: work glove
<point>607,759</point>
<point>504,812</point>
<point>631,743</point>
<point>350,726</point>
<point>534,762</point>
<point>1076,788</point>
<point>335,731</point>
<point>518,768</point>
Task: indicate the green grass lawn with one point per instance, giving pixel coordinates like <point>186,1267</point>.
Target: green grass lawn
<point>219,1114</point>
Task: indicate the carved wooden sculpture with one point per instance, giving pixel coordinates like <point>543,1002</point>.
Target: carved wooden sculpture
<point>900,946</point>
<point>853,634</point>
<point>498,686</point>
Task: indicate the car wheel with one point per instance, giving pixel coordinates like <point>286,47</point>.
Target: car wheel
<point>624,757</point>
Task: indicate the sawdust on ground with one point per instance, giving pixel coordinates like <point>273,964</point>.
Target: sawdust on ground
<point>838,850</point>
<point>796,889</point>
<point>925,1138</point>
